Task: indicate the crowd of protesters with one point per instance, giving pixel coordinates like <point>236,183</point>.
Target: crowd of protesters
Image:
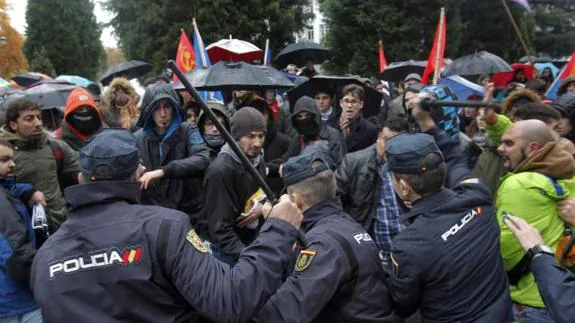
<point>449,215</point>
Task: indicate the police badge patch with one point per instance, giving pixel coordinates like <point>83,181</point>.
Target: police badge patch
<point>195,240</point>
<point>304,259</point>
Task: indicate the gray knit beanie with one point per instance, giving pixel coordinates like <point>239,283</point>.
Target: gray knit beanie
<point>246,120</point>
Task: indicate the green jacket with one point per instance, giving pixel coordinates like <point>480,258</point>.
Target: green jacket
<point>36,164</point>
<point>529,193</point>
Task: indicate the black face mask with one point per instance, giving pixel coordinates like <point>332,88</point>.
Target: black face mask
<point>85,120</point>
<point>215,141</point>
<point>307,127</point>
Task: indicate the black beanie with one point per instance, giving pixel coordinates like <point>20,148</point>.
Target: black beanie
<point>246,120</point>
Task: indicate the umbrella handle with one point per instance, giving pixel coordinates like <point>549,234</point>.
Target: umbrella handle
<point>229,140</point>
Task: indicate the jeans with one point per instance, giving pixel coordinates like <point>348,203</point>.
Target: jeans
<point>30,317</point>
<point>526,314</point>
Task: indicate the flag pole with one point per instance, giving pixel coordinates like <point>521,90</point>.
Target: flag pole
<point>439,42</point>
<point>380,51</point>
<point>517,31</point>
<point>267,52</point>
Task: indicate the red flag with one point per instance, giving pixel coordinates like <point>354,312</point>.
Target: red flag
<point>382,60</point>
<point>437,51</point>
<point>569,69</point>
<point>185,58</point>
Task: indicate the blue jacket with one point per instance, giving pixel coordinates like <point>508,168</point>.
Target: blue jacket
<point>17,250</point>
<point>556,286</point>
<point>343,281</point>
<point>446,262</point>
<point>114,260</point>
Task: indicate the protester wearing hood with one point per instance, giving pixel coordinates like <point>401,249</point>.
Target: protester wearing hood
<point>120,105</point>
<point>232,193</point>
<point>565,103</point>
<point>173,152</point>
<point>306,120</point>
<point>357,131</point>
<point>212,136</point>
<point>541,175</point>
<point>568,85</point>
<point>82,119</point>
<point>40,160</point>
<point>276,147</point>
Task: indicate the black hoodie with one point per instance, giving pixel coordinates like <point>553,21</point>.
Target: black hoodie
<point>326,133</point>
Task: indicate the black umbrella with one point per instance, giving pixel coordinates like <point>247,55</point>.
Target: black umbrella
<point>477,64</point>
<point>333,85</point>
<point>49,94</point>
<point>397,71</point>
<point>230,76</point>
<point>27,79</point>
<point>300,53</point>
<point>129,70</point>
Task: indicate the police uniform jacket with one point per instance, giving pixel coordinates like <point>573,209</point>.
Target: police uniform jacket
<point>447,262</point>
<point>116,261</point>
<point>337,278</point>
<point>557,287</point>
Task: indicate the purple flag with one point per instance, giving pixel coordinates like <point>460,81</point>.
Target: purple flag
<point>524,4</point>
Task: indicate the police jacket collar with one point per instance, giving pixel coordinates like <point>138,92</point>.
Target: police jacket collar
<point>320,211</point>
<point>97,193</point>
<point>428,204</point>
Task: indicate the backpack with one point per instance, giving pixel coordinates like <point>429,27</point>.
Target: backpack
<point>58,154</point>
<point>565,253</point>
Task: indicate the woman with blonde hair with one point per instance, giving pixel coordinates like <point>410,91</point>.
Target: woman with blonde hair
<point>119,107</point>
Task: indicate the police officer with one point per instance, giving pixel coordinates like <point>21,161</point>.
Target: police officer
<point>556,284</point>
<point>446,261</point>
<point>114,260</point>
<point>338,277</point>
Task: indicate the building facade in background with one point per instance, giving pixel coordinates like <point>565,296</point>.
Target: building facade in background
<point>316,30</point>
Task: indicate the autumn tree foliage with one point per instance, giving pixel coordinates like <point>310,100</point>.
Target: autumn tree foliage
<point>12,59</point>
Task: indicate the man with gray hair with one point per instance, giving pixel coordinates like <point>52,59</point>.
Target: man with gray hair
<point>338,276</point>
<point>114,260</point>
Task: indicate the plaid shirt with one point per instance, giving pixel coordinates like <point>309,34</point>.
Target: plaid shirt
<point>387,219</point>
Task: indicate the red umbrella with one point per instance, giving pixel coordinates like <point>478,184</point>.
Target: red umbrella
<point>233,50</point>
<point>503,78</point>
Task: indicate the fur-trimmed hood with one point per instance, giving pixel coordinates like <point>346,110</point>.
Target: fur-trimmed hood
<point>522,94</point>
<point>117,84</point>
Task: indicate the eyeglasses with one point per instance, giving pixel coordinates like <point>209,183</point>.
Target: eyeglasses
<point>350,102</point>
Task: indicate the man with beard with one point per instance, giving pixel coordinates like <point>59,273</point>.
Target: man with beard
<point>307,122</point>
<point>541,175</point>
<point>231,192</point>
<point>40,161</point>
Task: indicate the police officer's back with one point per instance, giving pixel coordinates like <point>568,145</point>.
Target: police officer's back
<point>116,261</point>
<point>446,262</point>
<point>338,277</point>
